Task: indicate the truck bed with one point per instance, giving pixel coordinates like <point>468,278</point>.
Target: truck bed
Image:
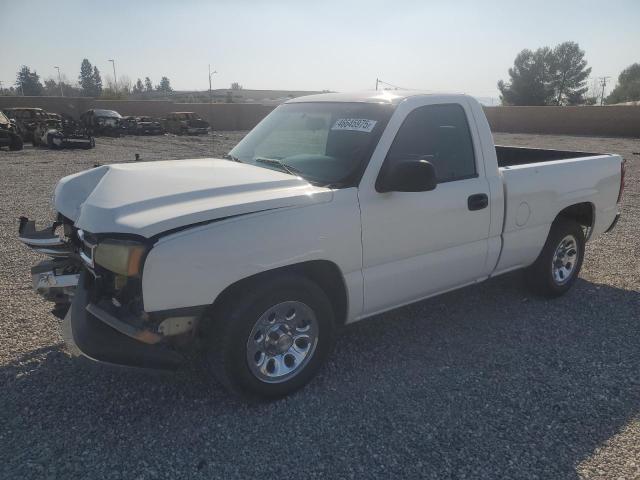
<point>539,183</point>
<point>509,156</point>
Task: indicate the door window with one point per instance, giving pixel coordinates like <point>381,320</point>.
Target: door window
<point>439,134</point>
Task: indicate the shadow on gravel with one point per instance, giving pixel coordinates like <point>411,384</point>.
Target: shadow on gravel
<point>485,382</point>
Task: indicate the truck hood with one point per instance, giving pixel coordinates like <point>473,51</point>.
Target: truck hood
<point>154,197</point>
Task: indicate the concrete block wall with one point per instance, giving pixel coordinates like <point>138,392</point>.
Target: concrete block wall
<point>605,121</point>
<point>618,121</point>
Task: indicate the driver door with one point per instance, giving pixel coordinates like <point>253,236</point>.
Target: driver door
<point>416,244</point>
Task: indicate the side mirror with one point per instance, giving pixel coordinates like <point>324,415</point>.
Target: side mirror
<point>408,176</point>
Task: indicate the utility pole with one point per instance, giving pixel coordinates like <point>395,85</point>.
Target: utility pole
<point>115,79</point>
<point>59,81</point>
<point>1,89</point>
<point>211,74</point>
<point>395,87</point>
<point>603,84</point>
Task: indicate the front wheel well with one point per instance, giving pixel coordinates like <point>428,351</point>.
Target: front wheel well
<point>323,272</point>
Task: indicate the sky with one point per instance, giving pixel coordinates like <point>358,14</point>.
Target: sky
<point>459,46</point>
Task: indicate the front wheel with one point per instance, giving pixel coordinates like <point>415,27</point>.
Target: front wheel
<point>557,267</point>
<point>271,338</point>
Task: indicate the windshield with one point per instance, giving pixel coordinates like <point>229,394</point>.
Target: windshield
<point>325,143</point>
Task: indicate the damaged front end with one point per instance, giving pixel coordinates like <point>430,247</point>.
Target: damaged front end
<point>57,278</point>
<point>96,286</point>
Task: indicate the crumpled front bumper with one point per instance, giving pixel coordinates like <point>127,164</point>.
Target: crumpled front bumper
<point>95,326</point>
<point>54,279</point>
<point>99,341</point>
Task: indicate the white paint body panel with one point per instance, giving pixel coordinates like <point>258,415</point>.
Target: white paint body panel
<point>418,244</point>
<point>391,248</point>
<point>153,197</point>
<point>547,188</point>
<point>193,266</point>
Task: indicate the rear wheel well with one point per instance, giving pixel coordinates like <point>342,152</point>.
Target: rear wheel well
<point>583,213</point>
<point>324,273</point>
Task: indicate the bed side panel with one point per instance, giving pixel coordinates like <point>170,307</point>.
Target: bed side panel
<point>536,193</point>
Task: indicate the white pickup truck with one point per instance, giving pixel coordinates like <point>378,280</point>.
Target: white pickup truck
<point>336,207</point>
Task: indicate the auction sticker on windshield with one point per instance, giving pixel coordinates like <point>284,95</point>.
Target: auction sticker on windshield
<point>355,124</point>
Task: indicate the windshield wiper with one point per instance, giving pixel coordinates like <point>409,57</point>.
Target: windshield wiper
<point>283,166</point>
<point>228,156</point>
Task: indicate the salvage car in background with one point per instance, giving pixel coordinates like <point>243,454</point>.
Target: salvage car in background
<point>61,131</point>
<point>141,126</point>
<point>185,123</point>
<point>26,120</point>
<point>101,122</point>
<point>9,136</point>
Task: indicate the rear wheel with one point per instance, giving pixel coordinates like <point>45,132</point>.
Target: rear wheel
<point>558,265</point>
<point>271,338</point>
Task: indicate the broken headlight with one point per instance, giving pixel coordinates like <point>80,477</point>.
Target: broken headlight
<point>123,257</point>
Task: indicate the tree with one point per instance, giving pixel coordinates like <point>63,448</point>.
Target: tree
<point>570,73</point>
<point>547,77</point>
<point>97,82</point>
<point>138,87</point>
<point>148,87</point>
<point>628,88</point>
<point>87,79</point>
<point>124,84</point>
<point>531,79</point>
<point>28,82</point>
<point>164,86</point>
<point>236,86</point>
<point>51,88</point>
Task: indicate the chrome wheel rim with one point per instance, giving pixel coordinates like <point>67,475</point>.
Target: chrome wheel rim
<point>564,261</point>
<point>282,341</point>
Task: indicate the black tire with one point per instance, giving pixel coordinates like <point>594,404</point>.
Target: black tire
<point>16,143</point>
<point>230,326</point>
<point>50,143</point>
<point>90,144</point>
<point>540,276</point>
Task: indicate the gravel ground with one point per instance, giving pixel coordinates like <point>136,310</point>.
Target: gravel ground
<point>485,382</point>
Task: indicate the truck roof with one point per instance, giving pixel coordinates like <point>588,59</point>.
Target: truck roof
<point>392,97</point>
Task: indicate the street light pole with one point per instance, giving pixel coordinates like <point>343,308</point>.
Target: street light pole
<point>59,81</point>
<point>115,79</point>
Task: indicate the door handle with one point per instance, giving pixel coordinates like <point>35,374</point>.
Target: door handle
<point>478,201</point>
